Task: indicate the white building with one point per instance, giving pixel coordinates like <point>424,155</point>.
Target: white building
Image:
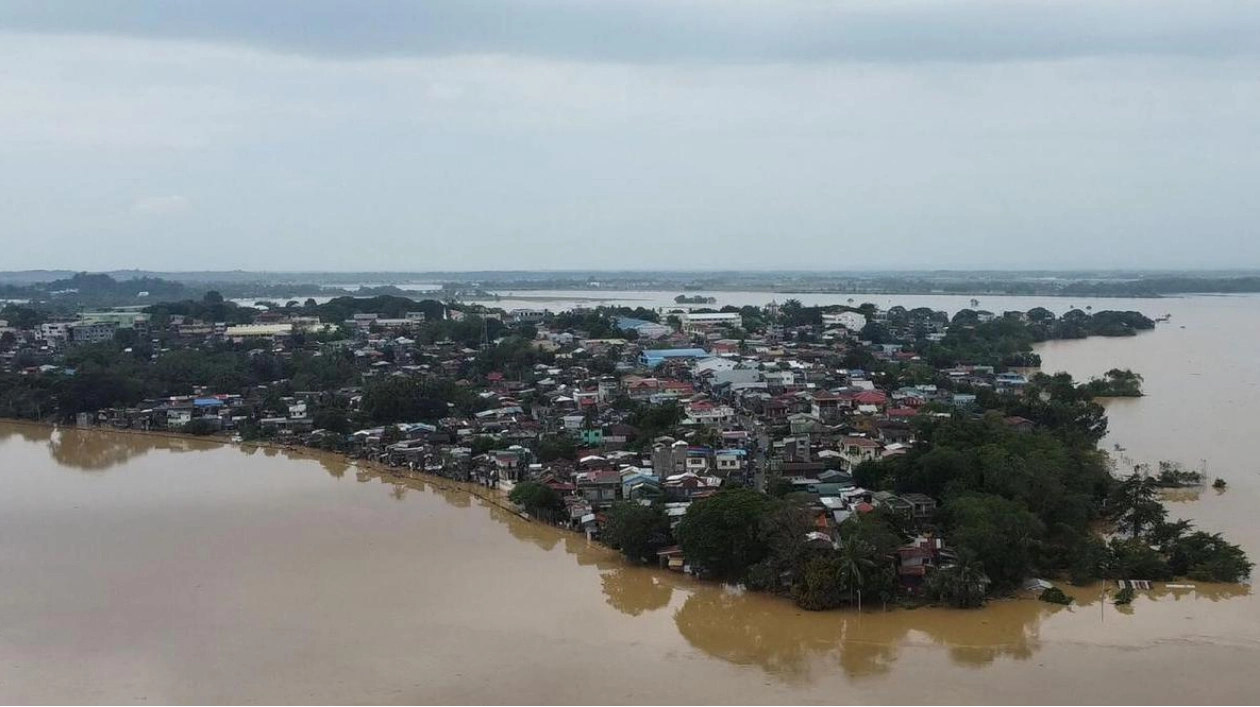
<point>698,321</point>
<point>853,321</point>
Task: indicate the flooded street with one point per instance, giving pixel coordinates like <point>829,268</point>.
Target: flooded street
<point>147,569</point>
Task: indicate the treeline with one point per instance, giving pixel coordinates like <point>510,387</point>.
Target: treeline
<point>106,375</point>
<point>1007,339</point>
<point>744,536</point>
<point>98,289</point>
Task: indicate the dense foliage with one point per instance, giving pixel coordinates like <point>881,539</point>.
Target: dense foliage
<point>637,530</point>
<point>538,500</point>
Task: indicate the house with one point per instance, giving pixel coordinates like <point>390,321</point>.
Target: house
<point>964,400</point>
<point>600,488</point>
<point>923,507</point>
<point>826,405</point>
<point>919,558</point>
<point>859,449</point>
<point>706,413</point>
<point>894,503</point>
<point>730,461</point>
<point>592,436</point>
<point>688,486</point>
<point>1019,424</point>
<point>669,459</point>
<point>672,558</point>
<point>637,485</point>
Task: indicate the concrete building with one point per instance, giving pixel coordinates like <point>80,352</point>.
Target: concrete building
<point>245,331</point>
<point>92,332</point>
<point>702,321</point>
<point>853,321</point>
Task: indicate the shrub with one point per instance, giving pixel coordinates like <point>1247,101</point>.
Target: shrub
<point>1054,595</point>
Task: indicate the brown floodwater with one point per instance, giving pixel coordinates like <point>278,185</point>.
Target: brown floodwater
<point>139,569</point>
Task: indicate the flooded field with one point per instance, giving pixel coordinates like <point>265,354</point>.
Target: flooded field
<point>143,569</point>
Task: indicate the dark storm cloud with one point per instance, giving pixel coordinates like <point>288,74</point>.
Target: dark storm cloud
<point>657,31</point>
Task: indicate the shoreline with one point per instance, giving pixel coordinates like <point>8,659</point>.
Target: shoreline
<point>496,499</point>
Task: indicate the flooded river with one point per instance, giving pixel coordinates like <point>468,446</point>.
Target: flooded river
<point>145,569</point>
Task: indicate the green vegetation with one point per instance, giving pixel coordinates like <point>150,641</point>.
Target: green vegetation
<point>741,535</point>
<point>1054,595</point>
<point>200,427</point>
<point>721,536</point>
<point>962,585</point>
<point>538,500</point>
<point>1174,475</point>
<point>1125,596</point>
<point>1007,340</point>
<point>1154,548</point>
<point>1116,383</point>
<point>638,531</point>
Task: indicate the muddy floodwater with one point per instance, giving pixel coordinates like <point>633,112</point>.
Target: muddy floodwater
<point>147,569</point>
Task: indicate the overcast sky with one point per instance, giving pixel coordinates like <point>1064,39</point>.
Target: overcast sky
<point>552,134</point>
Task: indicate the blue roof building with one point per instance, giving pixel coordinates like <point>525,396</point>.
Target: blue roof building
<point>655,357</point>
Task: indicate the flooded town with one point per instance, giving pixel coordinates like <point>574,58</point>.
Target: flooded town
<point>179,525</point>
<point>629,352</point>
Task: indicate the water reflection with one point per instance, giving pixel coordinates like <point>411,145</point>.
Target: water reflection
<point>794,644</point>
<point>28,432</point>
<point>99,450</point>
<point>634,590</point>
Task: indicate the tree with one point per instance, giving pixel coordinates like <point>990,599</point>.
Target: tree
<point>553,447</point>
<point>962,584</point>
<point>1207,557</point>
<point>538,500</point>
<point>331,419</point>
<point>721,535</point>
<point>638,531</point>
<point>1135,504</point>
<point>856,562</point>
<point>1000,533</point>
<point>200,426</point>
<point>783,530</point>
<point>819,587</point>
<point>212,297</point>
<point>399,399</point>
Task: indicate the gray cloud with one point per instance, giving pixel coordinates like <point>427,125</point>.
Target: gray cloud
<point>655,31</point>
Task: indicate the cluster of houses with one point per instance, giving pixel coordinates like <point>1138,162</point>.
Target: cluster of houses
<point>767,409</point>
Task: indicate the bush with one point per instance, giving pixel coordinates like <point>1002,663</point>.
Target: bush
<point>1125,596</point>
<point>201,427</point>
<point>1134,559</point>
<point>1054,595</point>
<point>539,500</point>
<point>637,530</point>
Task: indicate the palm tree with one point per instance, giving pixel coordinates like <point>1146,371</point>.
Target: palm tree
<point>962,584</point>
<point>856,559</point>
